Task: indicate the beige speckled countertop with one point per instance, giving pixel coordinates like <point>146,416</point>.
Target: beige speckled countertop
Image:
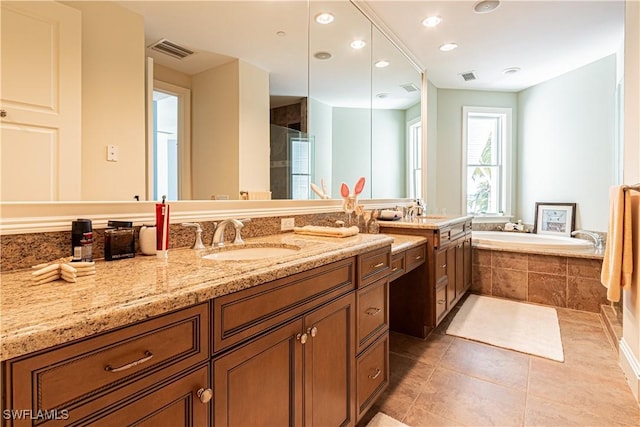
<point>429,222</point>
<point>402,242</point>
<point>34,317</point>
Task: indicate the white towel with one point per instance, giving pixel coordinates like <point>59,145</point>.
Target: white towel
<point>617,264</point>
<point>318,230</point>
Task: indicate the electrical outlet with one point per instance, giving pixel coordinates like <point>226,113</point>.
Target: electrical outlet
<point>112,153</point>
<point>287,224</point>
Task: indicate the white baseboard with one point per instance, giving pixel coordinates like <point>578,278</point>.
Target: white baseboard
<point>631,367</point>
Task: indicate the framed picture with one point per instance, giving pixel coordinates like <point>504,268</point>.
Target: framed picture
<point>555,218</point>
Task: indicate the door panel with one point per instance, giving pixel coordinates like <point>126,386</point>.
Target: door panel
<point>43,104</point>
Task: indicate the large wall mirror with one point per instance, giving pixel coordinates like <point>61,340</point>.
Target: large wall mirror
<point>343,115</point>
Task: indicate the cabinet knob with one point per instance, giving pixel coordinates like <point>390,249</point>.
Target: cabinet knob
<point>3,113</point>
<point>312,331</point>
<point>205,395</point>
<point>302,338</point>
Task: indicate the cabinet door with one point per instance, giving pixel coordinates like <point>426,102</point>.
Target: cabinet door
<point>174,403</point>
<point>451,275</point>
<point>260,383</point>
<point>460,262</point>
<point>329,360</point>
<point>467,262</point>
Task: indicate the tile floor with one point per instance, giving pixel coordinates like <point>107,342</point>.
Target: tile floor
<point>450,381</point>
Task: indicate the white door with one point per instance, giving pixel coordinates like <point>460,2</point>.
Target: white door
<point>40,99</point>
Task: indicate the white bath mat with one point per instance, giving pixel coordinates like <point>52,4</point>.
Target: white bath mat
<point>384,420</point>
<point>519,326</point>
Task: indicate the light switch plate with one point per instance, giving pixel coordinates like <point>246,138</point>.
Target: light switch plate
<point>112,153</point>
<point>287,224</point>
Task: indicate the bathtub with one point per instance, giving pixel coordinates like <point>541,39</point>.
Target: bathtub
<point>524,241</point>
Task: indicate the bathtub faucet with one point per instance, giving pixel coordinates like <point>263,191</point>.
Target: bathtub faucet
<point>599,241</point>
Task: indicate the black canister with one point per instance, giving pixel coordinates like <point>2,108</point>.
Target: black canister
<point>80,229</point>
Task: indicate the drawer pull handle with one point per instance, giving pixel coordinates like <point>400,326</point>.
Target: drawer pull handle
<point>147,356</point>
<point>312,331</point>
<point>378,265</point>
<point>205,395</point>
<point>302,338</point>
<point>440,301</point>
<point>372,311</point>
<point>443,266</point>
<point>395,269</point>
<point>376,375</point>
<point>418,257</point>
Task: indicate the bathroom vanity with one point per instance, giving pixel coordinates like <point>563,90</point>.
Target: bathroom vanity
<point>191,341</point>
<point>423,297</point>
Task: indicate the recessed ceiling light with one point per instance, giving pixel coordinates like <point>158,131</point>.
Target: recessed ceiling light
<point>486,6</point>
<point>324,18</point>
<point>382,95</point>
<point>431,21</point>
<point>510,70</point>
<point>281,33</point>
<point>322,55</point>
<point>358,44</point>
<point>382,63</point>
<point>448,46</point>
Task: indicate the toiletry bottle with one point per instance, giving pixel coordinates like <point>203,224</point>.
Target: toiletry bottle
<point>86,245</point>
<point>78,230</point>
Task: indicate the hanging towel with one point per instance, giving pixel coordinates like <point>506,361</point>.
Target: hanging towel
<point>617,264</point>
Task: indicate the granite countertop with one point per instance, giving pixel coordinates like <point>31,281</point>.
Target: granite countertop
<point>402,242</point>
<point>35,317</point>
<point>427,222</point>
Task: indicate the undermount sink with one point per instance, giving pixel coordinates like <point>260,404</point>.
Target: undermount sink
<point>251,253</point>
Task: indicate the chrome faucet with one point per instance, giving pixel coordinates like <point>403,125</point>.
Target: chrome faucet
<point>218,234</point>
<point>198,243</point>
<point>599,241</point>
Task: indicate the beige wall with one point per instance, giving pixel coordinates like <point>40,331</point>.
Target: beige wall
<point>113,101</point>
<point>630,345</point>
<point>215,132</point>
<point>168,75</point>
<point>254,128</point>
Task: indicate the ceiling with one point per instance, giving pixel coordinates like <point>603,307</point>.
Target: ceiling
<point>542,38</point>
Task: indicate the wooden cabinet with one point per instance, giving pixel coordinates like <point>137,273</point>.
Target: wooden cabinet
<point>307,349</point>
<point>420,300</point>
<point>107,372</point>
<point>303,370</point>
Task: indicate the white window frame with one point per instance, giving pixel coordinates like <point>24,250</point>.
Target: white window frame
<point>410,170</point>
<point>506,178</point>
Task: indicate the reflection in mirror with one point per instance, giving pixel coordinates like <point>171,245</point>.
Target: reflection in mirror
<point>396,134</point>
<point>340,96</point>
<point>247,40</point>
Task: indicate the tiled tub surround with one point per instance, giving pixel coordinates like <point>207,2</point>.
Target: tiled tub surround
<point>20,251</point>
<point>35,317</point>
<point>556,279</point>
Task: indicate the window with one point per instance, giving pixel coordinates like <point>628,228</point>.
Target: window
<point>487,155</point>
<point>415,159</point>
<point>301,155</point>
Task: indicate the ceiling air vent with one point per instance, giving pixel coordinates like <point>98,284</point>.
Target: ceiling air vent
<point>409,87</point>
<point>469,76</point>
<point>172,49</point>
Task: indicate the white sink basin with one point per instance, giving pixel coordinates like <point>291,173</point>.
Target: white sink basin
<point>250,253</point>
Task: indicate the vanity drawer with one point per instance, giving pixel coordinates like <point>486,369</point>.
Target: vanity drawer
<point>91,369</point>
<point>372,307</point>
<point>372,374</point>
<point>440,266</point>
<point>374,265</point>
<point>397,265</point>
<point>415,257</point>
<point>246,313</point>
<point>441,302</point>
